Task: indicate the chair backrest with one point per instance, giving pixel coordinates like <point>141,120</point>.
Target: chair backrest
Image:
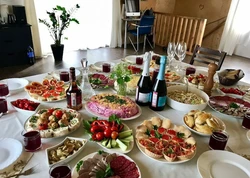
<point>206,55</point>
<point>146,24</point>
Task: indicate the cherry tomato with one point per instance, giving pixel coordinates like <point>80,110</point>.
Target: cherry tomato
<point>100,136</point>
<point>114,134</point>
<point>93,136</point>
<point>107,132</point>
<point>42,126</point>
<point>95,129</point>
<point>59,114</point>
<point>114,128</point>
<point>50,111</point>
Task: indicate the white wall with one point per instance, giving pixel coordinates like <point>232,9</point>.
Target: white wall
<point>243,50</point>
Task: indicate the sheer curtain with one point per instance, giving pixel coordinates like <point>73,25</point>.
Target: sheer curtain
<point>99,24</point>
<point>237,27</point>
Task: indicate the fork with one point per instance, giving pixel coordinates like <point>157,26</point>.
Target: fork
<point>243,155</point>
<point>25,173</point>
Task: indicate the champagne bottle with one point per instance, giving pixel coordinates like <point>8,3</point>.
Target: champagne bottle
<point>158,99</point>
<point>144,85</point>
<point>74,93</point>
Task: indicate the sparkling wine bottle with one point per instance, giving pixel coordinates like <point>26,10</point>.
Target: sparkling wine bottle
<point>144,85</point>
<point>74,93</point>
<point>158,99</point>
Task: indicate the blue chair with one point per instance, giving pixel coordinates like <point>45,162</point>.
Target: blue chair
<point>145,27</point>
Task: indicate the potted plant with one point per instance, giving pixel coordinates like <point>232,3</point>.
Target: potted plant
<point>60,19</point>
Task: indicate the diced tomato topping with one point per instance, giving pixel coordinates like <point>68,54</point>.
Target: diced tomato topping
<point>154,139</point>
<point>161,130</point>
<point>171,132</point>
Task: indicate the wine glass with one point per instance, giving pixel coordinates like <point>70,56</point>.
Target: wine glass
<point>180,51</point>
<point>171,52</point>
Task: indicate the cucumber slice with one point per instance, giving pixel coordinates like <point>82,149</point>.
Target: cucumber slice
<point>125,134</point>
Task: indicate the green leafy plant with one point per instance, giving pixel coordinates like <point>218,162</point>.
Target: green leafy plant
<point>60,19</point>
<point>121,73</point>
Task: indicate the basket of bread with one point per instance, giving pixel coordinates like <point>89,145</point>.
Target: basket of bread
<point>229,77</point>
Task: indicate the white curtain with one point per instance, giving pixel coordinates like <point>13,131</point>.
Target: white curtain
<point>237,27</point>
<point>98,24</point>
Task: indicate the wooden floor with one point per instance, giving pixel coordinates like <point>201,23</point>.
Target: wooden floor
<point>103,54</point>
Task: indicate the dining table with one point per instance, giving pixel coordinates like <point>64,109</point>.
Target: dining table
<point>12,124</point>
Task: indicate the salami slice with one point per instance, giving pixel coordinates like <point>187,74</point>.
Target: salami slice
<point>124,166</point>
<point>129,168</point>
<point>130,174</point>
<point>117,162</point>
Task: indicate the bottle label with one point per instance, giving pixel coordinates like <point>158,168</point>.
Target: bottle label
<point>73,99</point>
<point>144,97</point>
<point>31,54</point>
<point>154,99</point>
<point>162,101</point>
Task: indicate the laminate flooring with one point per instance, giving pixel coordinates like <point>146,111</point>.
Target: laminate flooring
<point>72,59</point>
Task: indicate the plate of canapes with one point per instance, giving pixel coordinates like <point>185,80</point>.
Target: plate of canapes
<point>162,141</point>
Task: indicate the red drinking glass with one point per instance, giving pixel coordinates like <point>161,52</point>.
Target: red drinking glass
<point>190,70</point>
<point>32,140</point>
<point>218,140</point>
<point>4,90</point>
<point>139,60</point>
<point>64,76</point>
<point>3,106</point>
<point>106,67</point>
<point>246,121</point>
<point>60,171</point>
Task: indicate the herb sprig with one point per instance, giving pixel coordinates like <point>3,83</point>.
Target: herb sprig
<point>121,73</point>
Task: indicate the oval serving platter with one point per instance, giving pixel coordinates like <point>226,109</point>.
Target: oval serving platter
<point>75,122</point>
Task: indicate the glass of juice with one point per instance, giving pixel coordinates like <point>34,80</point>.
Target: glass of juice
<point>3,105</point>
<point>246,121</point>
<point>106,67</point>
<point>218,140</point>
<point>32,140</point>
<point>60,171</point>
<point>64,76</point>
<point>139,60</point>
<point>4,90</point>
<point>190,70</point>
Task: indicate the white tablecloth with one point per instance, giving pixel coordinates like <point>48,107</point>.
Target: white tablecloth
<point>12,125</point>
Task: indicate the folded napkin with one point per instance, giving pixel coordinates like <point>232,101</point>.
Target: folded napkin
<point>17,166</point>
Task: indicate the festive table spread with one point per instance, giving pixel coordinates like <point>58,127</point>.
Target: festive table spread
<point>12,125</point>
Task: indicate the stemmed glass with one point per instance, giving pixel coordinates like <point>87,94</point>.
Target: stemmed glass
<point>171,52</point>
<point>180,51</point>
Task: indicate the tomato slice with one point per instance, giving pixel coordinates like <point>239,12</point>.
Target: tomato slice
<point>53,82</point>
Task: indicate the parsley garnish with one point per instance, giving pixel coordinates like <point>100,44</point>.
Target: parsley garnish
<point>155,127</point>
<point>180,135</point>
<point>100,152</point>
<point>157,135</point>
<point>87,126</point>
<point>78,166</point>
<point>114,117</point>
<point>147,132</point>
<point>42,111</point>
<point>33,119</point>
<point>115,99</point>
<point>234,105</point>
<point>108,172</point>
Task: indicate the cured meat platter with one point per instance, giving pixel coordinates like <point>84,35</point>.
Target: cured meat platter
<point>227,105</point>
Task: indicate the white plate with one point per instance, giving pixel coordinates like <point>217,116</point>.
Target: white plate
<point>132,59</point>
<point>98,65</point>
<point>53,101</point>
<point>23,111</point>
<point>119,150</point>
<point>10,150</point>
<point>248,135</point>
<point>219,164</point>
<point>69,158</point>
<point>58,132</point>
<point>163,160</point>
<point>104,117</point>
<point>222,124</point>
<point>75,173</point>
<point>56,74</point>
<point>16,84</point>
